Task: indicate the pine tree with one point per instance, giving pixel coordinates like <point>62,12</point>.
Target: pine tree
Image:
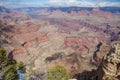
<point>58,73</point>
<point>8,67</point>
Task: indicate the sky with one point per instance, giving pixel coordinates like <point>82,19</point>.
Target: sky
<point>59,3</point>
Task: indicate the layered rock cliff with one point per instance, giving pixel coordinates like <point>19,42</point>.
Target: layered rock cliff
<point>109,69</point>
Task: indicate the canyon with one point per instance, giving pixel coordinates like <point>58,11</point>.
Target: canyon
<point>43,38</point>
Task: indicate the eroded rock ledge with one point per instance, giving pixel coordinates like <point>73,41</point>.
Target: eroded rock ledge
<point>109,69</point>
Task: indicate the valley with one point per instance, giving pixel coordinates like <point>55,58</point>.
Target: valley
<point>44,38</point>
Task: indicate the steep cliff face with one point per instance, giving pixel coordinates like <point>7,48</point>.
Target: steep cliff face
<point>109,69</point>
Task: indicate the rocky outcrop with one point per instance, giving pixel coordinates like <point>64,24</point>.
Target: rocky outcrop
<point>19,54</point>
<point>67,25</point>
<point>25,28</point>
<point>81,43</point>
<point>109,69</point>
<point>99,13</point>
<point>18,51</point>
<point>27,32</point>
<point>41,38</point>
<point>29,43</point>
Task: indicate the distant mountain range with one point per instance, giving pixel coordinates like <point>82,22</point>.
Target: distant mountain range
<point>115,10</point>
<point>68,9</point>
<point>3,9</point>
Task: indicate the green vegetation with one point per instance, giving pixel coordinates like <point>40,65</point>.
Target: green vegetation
<point>2,53</point>
<point>11,76</point>
<point>58,73</point>
<point>20,65</point>
<point>8,67</point>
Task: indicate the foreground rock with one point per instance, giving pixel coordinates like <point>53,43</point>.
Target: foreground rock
<point>109,69</point>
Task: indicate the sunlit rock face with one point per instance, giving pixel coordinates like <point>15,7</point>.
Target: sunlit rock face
<point>109,69</point>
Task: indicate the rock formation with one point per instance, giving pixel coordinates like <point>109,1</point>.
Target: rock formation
<point>109,69</point>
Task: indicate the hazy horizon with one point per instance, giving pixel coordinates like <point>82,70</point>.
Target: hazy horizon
<point>59,3</point>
